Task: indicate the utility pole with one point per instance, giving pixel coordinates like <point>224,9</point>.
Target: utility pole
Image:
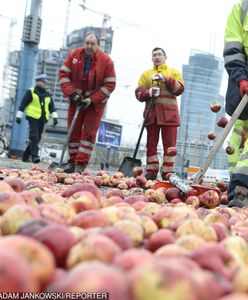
<point>28,63</point>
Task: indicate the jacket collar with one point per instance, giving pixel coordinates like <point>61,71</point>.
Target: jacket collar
<point>160,68</point>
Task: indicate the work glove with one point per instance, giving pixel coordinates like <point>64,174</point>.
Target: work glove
<point>19,115</point>
<point>243,87</point>
<point>154,91</point>
<point>18,120</point>
<point>55,121</point>
<point>158,77</point>
<point>85,102</point>
<point>170,82</point>
<point>76,98</point>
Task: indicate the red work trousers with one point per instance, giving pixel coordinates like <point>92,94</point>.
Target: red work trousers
<point>83,137</point>
<point>169,137</point>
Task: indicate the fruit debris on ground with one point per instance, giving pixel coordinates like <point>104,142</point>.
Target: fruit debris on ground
<point>91,233</point>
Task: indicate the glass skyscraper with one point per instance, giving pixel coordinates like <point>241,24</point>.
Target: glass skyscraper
<point>202,77</point>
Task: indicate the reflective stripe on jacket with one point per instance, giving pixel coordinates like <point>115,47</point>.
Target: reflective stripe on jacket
<point>235,55</point>
<point>34,109</point>
<point>165,111</point>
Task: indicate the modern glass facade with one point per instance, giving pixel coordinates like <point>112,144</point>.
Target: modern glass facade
<point>202,76</point>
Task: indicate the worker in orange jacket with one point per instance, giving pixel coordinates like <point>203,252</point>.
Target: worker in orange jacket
<point>163,84</point>
<point>87,78</point>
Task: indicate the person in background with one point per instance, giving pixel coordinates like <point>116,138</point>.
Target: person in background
<point>235,60</point>
<point>163,84</point>
<point>87,78</point>
<point>38,105</point>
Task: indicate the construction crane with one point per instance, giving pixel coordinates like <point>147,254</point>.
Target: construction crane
<point>68,9</point>
<point>106,19</point>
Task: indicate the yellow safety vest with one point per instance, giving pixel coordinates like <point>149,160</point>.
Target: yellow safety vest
<point>34,108</point>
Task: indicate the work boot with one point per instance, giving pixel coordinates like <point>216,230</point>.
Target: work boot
<point>70,167</point>
<point>79,168</point>
<point>25,159</point>
<point>150,176</point>
<point>26,154</point>
<point>35,159</point>
<point>166,176</point>
<point>240,198</point>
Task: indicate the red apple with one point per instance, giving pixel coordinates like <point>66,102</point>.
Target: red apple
<point>132,258</point>
<point>224,199</point>
<point>211,135</point>
<point>215,107</point>
<point>222,186</point>
<point>15,273</point>
<point>16,183</point>
<point>193,200</point>
<point>230,150</point>
<point>172,193</point>
<point>59,239</point>
<point>222,122</point>
<point>95,277</point>
<point>137,171</point>
<point>160,238</point>
<point>120,237</point>
<point>141,180</point>
<point>209,199</point>
<point>176,201</point>
<point>89,218</point>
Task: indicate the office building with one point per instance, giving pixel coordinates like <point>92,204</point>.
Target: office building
<point>202,76</point>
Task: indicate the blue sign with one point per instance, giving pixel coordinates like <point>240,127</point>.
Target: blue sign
<point>109,134</point>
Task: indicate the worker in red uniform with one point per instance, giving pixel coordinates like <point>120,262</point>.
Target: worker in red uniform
<point>162,84</point>
<point>87,78</point>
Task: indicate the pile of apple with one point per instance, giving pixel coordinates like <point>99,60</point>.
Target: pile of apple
<point>64,233</point>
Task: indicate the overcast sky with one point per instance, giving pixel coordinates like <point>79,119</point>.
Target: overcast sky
<point>139,26</point>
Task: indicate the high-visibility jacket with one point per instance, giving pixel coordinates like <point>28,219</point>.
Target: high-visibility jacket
<point>165,111</point>
<point>34,109</point>
<point>101,80</point>
<point>236,55</point>
<point>237,141</point>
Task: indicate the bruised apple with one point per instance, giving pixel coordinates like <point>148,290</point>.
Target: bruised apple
<point>93,247</point>
<point>16,183</point>
<point>59,239</point>
<point>209,199</point>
